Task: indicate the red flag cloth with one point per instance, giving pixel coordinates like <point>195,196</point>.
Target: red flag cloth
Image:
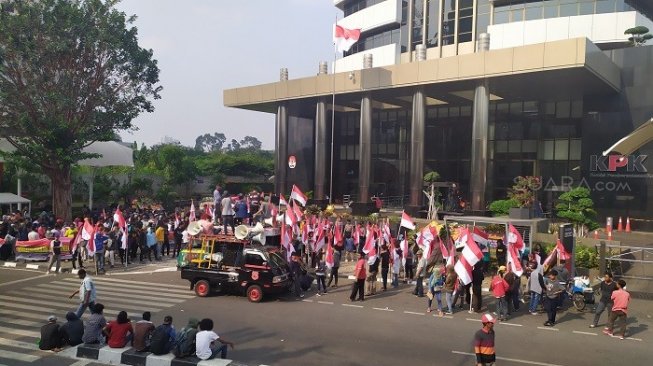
<point>298,195</point>
<point>344,38</point>
<point>357,234</point>
<point>424,240</point>
<point>480,236</point>
<point>329,253</point>
<point>369,241</point>
<point>514,260</point>
<point>320,236</point>
<point>282,200</point>
<point>299,215</point>
<point>515,238</point>
<point>337,231</point>
<point>291,219</point>
<point>88,234</point>
<point>192,217</point>
<point>562,253</point>
<point>119,219</point>
<point>470,255</point>
<point>407,221</point>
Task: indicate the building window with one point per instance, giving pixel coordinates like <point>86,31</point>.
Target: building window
<point>418,22</point>
<point>448,21</point>
<point>358,5</point>
<point>465,20</point>
<point>433,24</point>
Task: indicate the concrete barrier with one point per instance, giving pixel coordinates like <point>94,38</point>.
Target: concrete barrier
<point>129,356</point>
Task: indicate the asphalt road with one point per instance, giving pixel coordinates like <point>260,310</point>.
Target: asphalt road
<point>390,328</point>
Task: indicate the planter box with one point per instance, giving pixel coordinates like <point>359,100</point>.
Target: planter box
<point>520,213</point>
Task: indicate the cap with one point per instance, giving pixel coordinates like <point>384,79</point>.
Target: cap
<point>488,318</point>
<point>502,268</point>
<point>52,318</point>
<point>419,252</point>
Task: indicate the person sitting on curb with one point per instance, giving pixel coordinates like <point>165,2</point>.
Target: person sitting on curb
<point>94,325</point>
<point>205,342</point>
<point>142,333</point>
<point>119,332</point>
<point>163,337</point>
<point>186,339</point>
<point>73,330</point>
<point>51,339</point>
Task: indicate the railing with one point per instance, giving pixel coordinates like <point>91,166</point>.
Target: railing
<point>628,261</point>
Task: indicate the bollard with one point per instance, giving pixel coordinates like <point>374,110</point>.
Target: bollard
<point>602,258</point>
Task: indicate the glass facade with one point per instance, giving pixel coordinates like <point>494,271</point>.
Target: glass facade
<point>516,11</point>
<point>354,6</point>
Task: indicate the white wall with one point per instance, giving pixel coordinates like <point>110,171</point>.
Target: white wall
<point>599,28</point>
<point>383,13</point>
<point>381,56</point>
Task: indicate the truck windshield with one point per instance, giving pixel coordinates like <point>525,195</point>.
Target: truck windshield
<point>277,260</point>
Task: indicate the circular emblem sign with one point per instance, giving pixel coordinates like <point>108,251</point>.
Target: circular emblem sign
<point>292,162</point>
<point>255,275</point>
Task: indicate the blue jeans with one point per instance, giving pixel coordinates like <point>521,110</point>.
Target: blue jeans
<point>502,307</point>
<point>159,246</point>
<point>222,349</point>
<point>438,297</point>
<point>99,260</point>
<point>535,300</point>
<point>449,297</point>
<point>82,308</point>
<point>599,310</point>
<point>395,279</point>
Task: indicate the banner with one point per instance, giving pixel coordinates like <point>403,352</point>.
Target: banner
<point>39,250</point>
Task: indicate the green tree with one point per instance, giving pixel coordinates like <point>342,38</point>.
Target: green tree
<point>577,207</point>
<point>250,143</point>
<point>638,35</point>
<point>71,73</point>
<point>208,142</point>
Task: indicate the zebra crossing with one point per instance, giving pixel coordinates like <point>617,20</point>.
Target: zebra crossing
<point>23,312</point>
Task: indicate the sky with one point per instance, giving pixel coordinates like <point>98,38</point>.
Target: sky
<point>206,46</point>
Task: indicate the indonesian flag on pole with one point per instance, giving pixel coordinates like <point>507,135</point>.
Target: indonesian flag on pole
<point>443,249</point>
<point>424,240</point>
<point>88,234</point>
<point>344,38</point>
<point>513,260</point>
<point>176,220</point>
<point>286,241</point>
<point>480,236</point>
<point>407,221</point>
<point>369,241</point>
<point>404,250</point>
<point>192,217</point>
<point>357,235</point>
<point>329,252</point>
<point>282,200</point>
<point>515,238</point>
<point>338,234</point>
<point>470,255</point>
<point>562,253</point>
<point>119,219</point>
<point>298,195</point>
<point>299,215</point>
<point>387,235</point>
<point>320,237</point>
<point>291,219</point>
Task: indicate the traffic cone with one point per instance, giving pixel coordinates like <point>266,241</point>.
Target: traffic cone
<point>596,234</point>
<point>609,234</point>
<point>627,224</point>
<point>620,226</point>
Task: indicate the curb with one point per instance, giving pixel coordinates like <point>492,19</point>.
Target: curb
<point>129,356</point>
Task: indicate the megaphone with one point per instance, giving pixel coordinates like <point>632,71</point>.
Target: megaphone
<point>257,233</point>
<point>194,228</point>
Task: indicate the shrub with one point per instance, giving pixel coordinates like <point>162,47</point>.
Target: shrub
<point>501,207</point>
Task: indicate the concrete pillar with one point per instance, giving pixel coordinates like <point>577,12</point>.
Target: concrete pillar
<point>417,131</point>
<point>478,176</point>
<point>365,150</point>
<point>281,149</point>
<point>320,150</point>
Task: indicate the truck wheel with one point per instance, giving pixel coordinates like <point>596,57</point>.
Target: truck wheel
<point>202,288</point>
<point>255,293</point>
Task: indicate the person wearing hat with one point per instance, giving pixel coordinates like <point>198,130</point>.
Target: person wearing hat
<point>499,286</point>
<point>484,342</point>
<point>50,335</point>
<point>55,251</point>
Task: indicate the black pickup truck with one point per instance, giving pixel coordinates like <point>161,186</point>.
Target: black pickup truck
<point>250,270</point>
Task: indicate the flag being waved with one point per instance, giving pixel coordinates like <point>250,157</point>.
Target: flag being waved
<point>344,38</point>
<point>119,220</point>
<point>407,221</point>
<point>298,195</point>
<point>469,257</point>
<point>515,238</point>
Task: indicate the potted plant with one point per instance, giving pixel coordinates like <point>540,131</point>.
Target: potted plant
<point>523,192</point>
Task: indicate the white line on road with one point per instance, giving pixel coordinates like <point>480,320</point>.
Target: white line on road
<point>325,302</point>
<point>511,324</point>
<point>585,333</point>
<point>473,320</point>
<point>412,313</point>
<point>81,363</point>
<point>383,309</point>
<point>21,280</point>
<point>10,264</point>
<point>19,344</point>
<point>516,360</point>
<point>548,328</point>
<point>629,338</point>
<point>32,266</point>
<point>307,300</point>
<point>352,306</point>
<point>19,356</point>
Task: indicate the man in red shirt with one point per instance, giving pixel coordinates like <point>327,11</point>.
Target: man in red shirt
<point>620,299</point>
<point>360,274</point>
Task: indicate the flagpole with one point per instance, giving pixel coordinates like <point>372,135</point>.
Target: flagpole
<point>333,117</point>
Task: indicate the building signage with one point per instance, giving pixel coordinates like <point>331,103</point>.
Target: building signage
<point>614,163</point>
<point>292,162</point>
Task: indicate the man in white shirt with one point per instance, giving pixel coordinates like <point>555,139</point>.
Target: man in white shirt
<point>227,212</point>
<point>86,293</point>
<point>33,235</point>
<point>205,342</point>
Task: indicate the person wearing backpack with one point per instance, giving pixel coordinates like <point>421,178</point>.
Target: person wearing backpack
<point>186,339</point>
<point>163,338</point>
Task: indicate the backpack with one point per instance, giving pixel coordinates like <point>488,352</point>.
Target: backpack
<point>185,343</point>
<point>159,339</point>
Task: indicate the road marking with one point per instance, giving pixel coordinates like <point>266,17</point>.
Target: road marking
<point>19,344</point>
<point>473,320</point>
<point>383,309</point>
<point>81,363</point>
<point>120,281</point>
<point>32,266</point>
<point>26,333</point>
<point>632,339</point>
<point>118,302</point>
<point>352,306</point>
<point>306,300</point>
<point>160,294</point>
<point>511,324</point>
<point>58,289</point>
<point>22,314</point>
<point>10,264</point>
<point>19,356</point>
<point>22,280</point>
<point>413,313</point>
<point>516,360</point>
<point>325,302</point>
<point>548,328</point>
<point>586,333</point>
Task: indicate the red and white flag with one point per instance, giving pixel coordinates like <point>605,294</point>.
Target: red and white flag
<point>513,260</point>
<point>320,237</point>
<point>387,235</point>
<point>282,200</point>
<point>290,219</point>
<point>470,255</point>
<point>515,238</point>
<point>329,252</point>
<point>407,221</point>
<point>298,195</point>
<point>562,253</point>
<point>299,215</point>
<point>369,241</point>
<point>404,249</point>
<point>338,236</point>
<point>344,38</point>
<point>88,234</point>
<point>192,217</point>
<point>357,235</point>
<point>176,220</point>
<point>424,240</point>
<point>481,236</point>
<point>119,220</point>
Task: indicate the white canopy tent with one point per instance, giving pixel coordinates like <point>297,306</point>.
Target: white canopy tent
<point>633,141</point>
<point>112,154</point>
<point>11,199</point>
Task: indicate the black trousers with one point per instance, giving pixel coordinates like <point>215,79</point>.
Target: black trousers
<point>333,276</point>
<point>477,298</point>
<point>358,287</point>
<point>166,247</point>
<point>409,270</point>
<point>551,306</point>
<point>384,277</point>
